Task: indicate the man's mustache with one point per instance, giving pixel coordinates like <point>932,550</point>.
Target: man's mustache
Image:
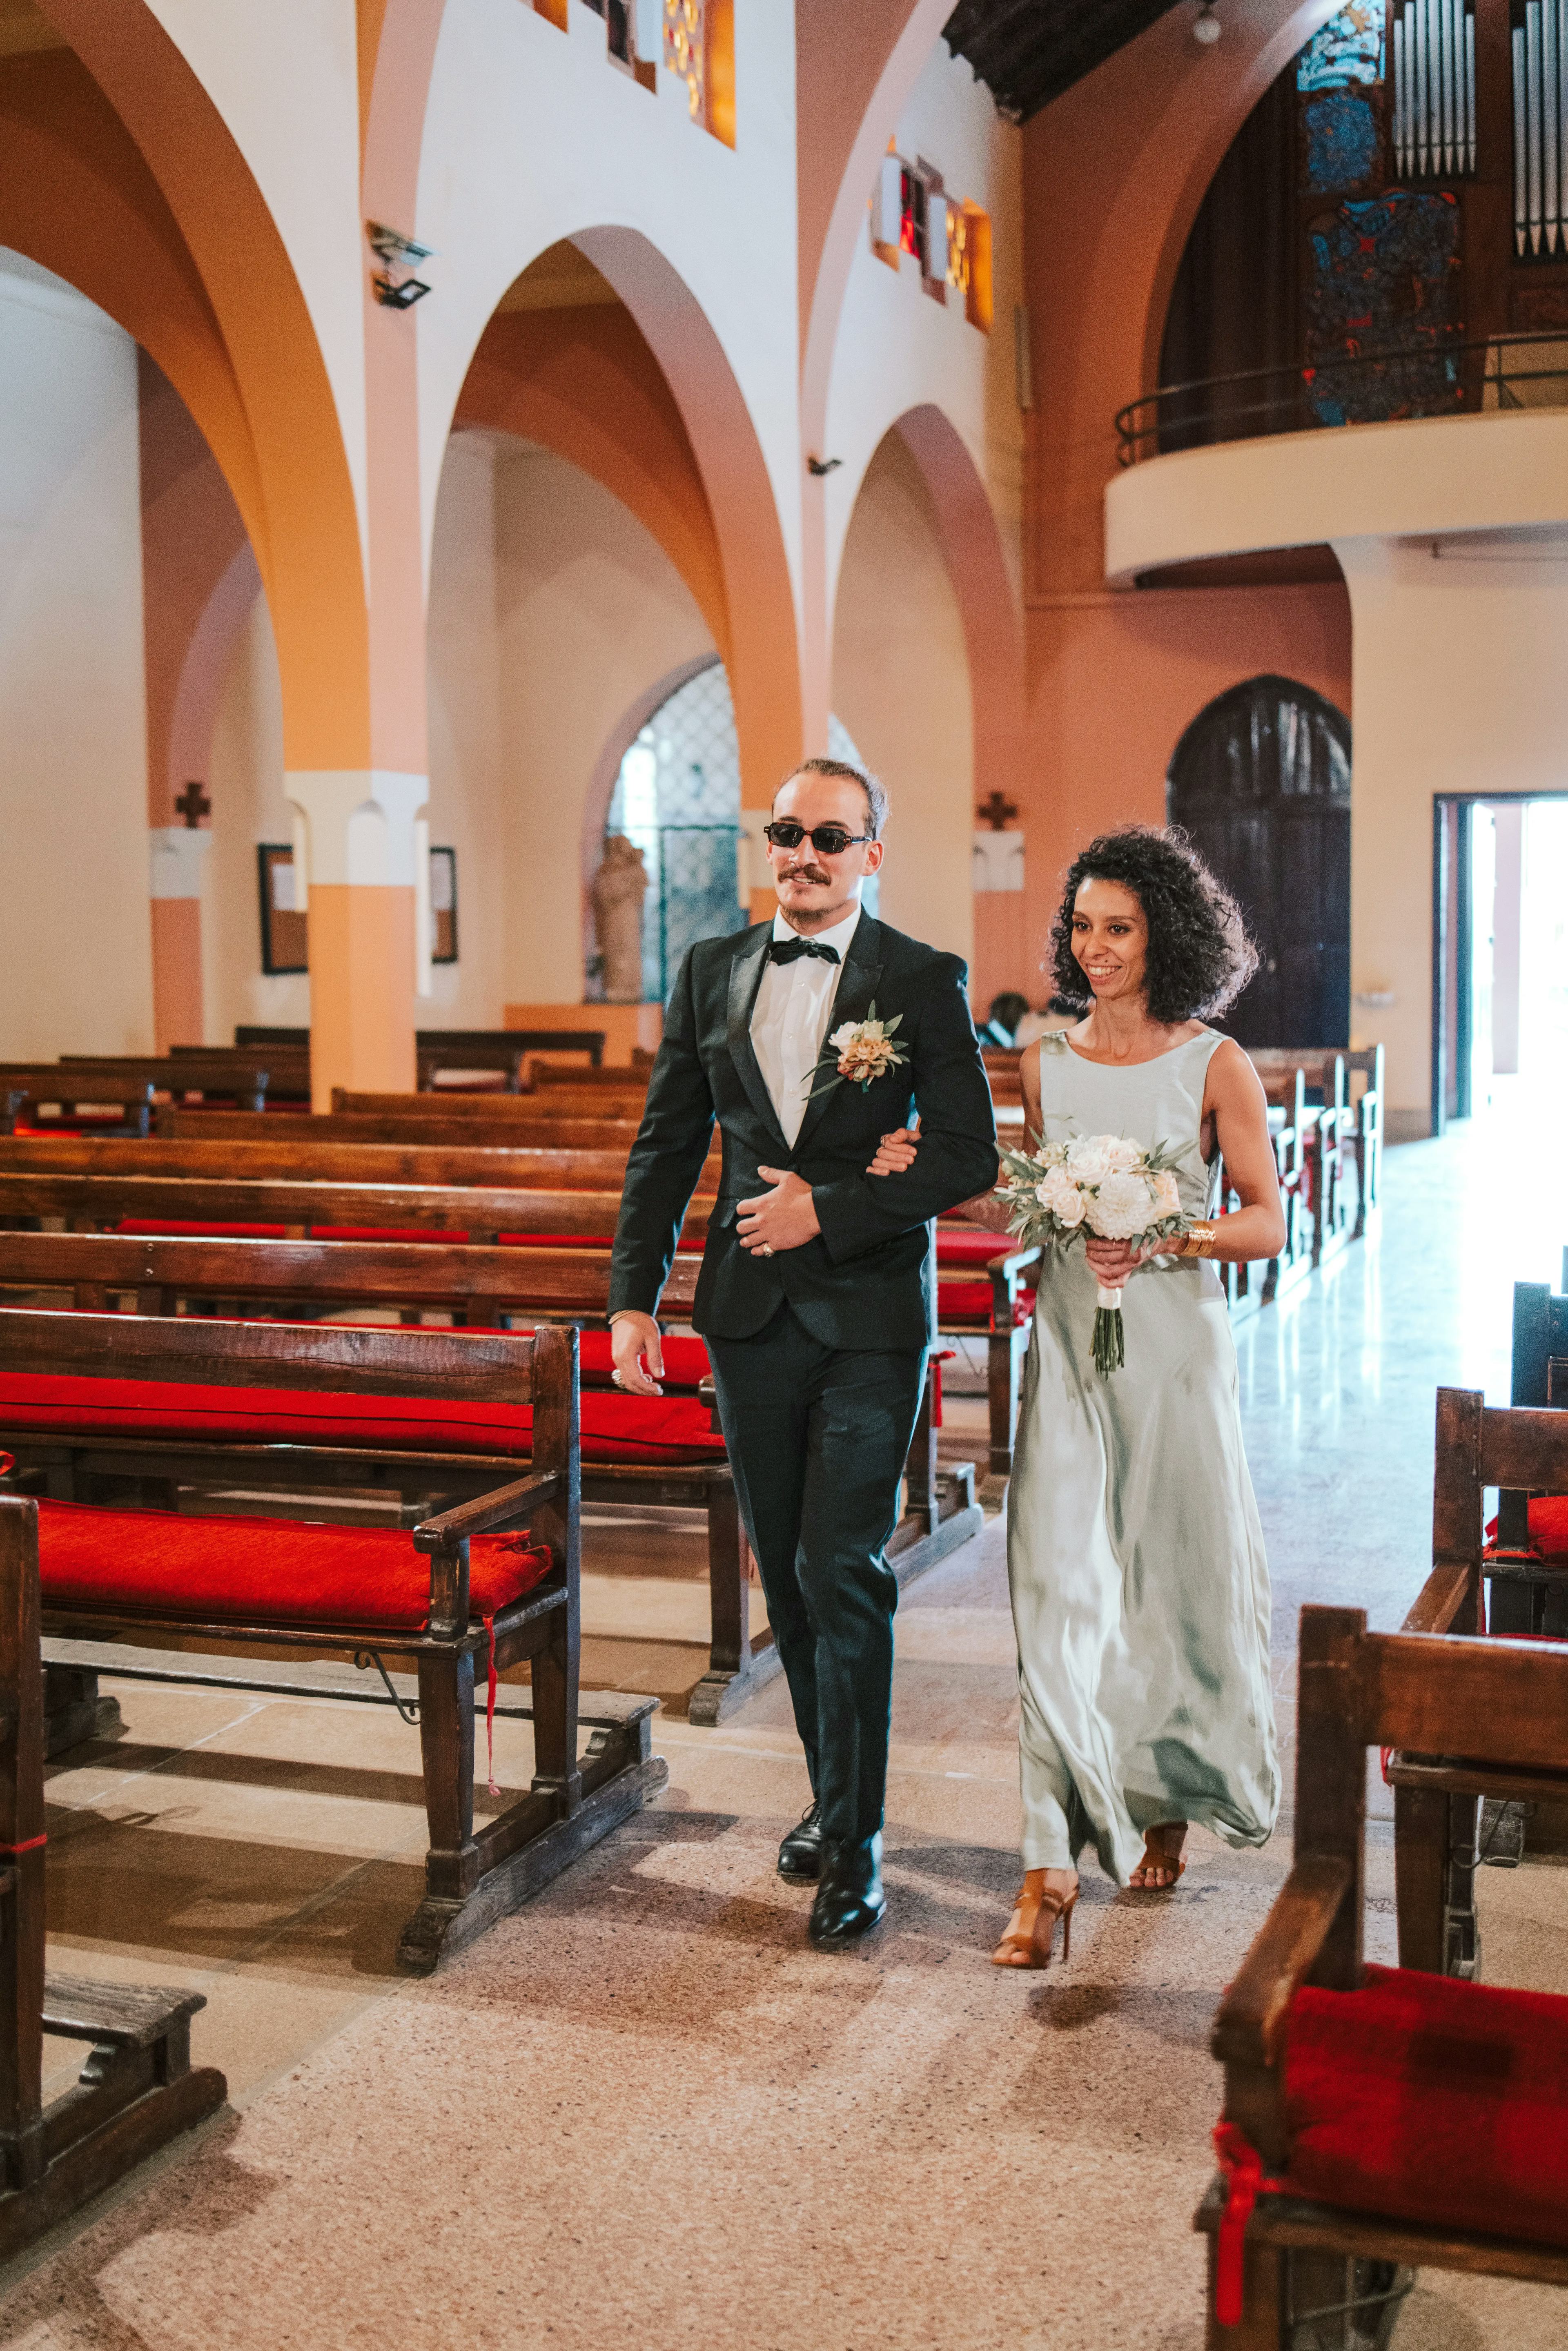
<point>806,873</point>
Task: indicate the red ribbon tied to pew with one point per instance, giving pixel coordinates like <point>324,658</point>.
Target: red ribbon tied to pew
<point>937,1357</point>
<point>1243,2169</point>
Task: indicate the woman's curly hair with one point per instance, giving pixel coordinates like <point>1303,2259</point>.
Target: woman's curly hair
<point>1200,957</point>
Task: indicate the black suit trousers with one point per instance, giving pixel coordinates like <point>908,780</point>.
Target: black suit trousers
<point>816,1438</point>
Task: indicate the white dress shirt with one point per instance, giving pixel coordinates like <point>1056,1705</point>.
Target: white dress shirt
<point>790,1018</point>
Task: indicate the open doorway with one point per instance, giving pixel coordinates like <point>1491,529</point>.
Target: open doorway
<point>1499,937</point>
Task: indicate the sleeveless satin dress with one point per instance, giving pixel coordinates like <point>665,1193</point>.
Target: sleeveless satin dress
<point>1140,1588</point>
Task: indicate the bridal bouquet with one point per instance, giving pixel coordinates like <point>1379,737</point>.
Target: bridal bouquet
<point>1098,1184</point>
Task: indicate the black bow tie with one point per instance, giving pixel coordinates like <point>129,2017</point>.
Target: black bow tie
<point>789,950</point>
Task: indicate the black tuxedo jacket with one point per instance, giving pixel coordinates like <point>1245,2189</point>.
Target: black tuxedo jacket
<point>866,1280</point>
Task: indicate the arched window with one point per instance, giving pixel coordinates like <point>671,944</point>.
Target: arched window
<point>1261,781</point>
<point>677,797</point>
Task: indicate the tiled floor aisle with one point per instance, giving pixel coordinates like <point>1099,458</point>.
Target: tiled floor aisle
<point>643,2109</point>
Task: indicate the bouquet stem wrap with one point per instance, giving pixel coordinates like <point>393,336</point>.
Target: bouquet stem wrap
<point>1107,1347</point>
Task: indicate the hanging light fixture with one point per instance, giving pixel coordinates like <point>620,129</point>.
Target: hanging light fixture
<point>1208,28</point>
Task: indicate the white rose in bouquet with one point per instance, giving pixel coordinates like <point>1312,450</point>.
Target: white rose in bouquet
<point>1167,1195</point>
<point>1088,1157</point>
<point>1123,1207</point>
<point>1121,1155</point>
<point>1062,1196</point>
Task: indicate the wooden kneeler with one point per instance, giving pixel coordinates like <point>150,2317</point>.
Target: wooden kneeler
<point>136,2091</point>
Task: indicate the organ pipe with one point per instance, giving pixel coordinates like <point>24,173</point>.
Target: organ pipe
<point>1434,50</point>
<point>1539,32</point>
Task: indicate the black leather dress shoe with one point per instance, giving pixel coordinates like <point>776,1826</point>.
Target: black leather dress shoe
<point>850,1900</point>
<point>800,1854</point>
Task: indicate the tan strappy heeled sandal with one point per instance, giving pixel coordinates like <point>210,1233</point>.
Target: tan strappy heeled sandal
<point>1031,1929</point>
<point>1160,1854</point>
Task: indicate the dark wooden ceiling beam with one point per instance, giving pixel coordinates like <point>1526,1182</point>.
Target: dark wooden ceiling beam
<point>1028,52</point>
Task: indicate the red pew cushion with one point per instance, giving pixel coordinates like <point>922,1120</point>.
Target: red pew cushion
<point>959,1248</point>
<point>1427,2099</point>
<point>1548,1525</point>
<point>970,1302</point>
<point>262,1570</point>
<point>614,1427</point>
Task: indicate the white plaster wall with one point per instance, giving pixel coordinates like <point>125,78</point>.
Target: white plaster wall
<point>533,135</point>
<point>591,612</point>
<point>285,79</point>
<point>465,740</point>
<point>248,807</point>
<point>900,683</point>
<point>76,957</point>
<point>898,349</point>
<point>1459,686</point>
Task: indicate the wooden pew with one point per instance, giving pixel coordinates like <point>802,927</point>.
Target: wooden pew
<point>482,1284</point>
<point>1425,2158</point>
<point>1521,1603</point>
<point>303,1156</point>
<point>100,1203</point>
<point>437,1042</point>
<point>619,1078</point>
<point>288,1068</point>
<point>27,1099</point>
<point>1436,1794</point>
<point>245,1078</point>
<point>984,1290</point>
<point>137,2090</point>
<point>450,1120</point>
<point>359,1591</point>
<point>482,1287</point>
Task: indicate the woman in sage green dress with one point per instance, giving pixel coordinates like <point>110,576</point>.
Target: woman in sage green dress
<point>1140,1589</point>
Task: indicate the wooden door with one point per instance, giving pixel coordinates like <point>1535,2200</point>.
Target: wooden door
<point>1261,780</point>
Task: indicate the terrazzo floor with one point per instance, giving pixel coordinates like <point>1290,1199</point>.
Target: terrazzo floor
<point>643,2109</point>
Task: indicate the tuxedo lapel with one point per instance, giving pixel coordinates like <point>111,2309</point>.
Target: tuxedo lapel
<point>855,996</point>
<point>745,978</point>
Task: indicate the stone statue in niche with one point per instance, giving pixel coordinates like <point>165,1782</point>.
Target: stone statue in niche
<point>618,889</point>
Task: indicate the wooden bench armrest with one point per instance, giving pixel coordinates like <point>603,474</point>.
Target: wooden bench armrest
<point>485,1512</point>
<point>1252,2012</point>
<point>1440,1599</point>
<point>1004,1269</point>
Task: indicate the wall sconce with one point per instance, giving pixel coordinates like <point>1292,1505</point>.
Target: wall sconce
<point>1207,29</point>
<point>398,252</point>
<point>820,466</point>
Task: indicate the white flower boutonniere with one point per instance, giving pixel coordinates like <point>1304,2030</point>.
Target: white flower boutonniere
<point>859,1051</point>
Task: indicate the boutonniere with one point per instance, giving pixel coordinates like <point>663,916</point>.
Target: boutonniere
<point>859,1051</point>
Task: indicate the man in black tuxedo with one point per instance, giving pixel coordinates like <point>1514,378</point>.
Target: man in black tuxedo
<point>817,1288</point>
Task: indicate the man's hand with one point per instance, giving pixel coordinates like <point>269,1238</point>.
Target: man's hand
<point>897,1151</point>
<point>632,1337</point>
<point>784,1219</point>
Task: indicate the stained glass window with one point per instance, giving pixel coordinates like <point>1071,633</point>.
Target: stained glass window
<point>1348,49</point>
<point>677,797</point>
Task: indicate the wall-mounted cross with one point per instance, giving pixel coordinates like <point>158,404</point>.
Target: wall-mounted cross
<point>193,804</point>
<point>997,811</point>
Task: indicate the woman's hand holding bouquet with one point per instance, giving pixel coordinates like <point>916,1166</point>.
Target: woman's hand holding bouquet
<point>1101,1189</point>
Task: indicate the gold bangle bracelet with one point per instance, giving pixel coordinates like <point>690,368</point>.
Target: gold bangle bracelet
<point>1198,1240</point>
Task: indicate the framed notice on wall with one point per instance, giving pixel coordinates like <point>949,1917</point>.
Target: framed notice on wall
<point>443,905</point>
<point>283,929</point>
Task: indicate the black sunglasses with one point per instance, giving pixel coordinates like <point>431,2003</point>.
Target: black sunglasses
<point>829,839</point>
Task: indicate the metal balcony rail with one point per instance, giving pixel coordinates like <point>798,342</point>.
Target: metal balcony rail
<point>1435,377</point>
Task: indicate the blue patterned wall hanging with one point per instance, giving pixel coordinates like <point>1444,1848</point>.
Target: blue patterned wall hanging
<point>1342,142</point>
<point>1383,274</point>
<point>1348,49</point>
